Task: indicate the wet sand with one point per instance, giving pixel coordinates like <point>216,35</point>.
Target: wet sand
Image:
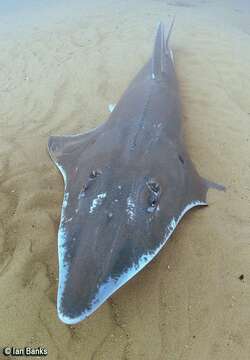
<point>60,68</point>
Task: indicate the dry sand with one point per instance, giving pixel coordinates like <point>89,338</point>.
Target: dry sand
<point>60,66</point>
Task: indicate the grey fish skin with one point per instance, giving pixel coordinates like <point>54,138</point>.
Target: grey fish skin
<point>127,185</point>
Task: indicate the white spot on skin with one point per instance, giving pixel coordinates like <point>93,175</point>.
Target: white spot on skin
<point>111,285</point>
<point>65,200</point>
<point>119,187</point>
<point>111,107</point>
<point>151,209</point>
<point>153,76</point>
<point>81,195</point>
<point>130,208</point>
<point>172,56</point>
<point>97,202</point>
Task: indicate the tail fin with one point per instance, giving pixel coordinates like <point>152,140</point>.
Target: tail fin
<point>161,50</point>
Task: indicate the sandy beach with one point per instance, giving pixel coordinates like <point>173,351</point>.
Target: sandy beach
<point>60,67</point>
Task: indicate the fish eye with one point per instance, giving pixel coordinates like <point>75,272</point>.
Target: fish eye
<point>154,195</point>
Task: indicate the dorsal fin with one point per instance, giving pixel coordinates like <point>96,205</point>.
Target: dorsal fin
<point>161,50</point>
